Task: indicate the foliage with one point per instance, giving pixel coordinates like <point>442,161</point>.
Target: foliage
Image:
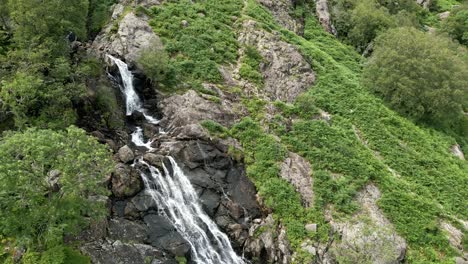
<point>49,31</point>
<point>358,22</point>
<point>456,25</point>
<point>419,76</point>
<point>47,180</point>
<point>263,155</point>
<point>250,66</point>
<point>155,63</point>
<point>34,101</point>
<point>368,20</point>
<point>99,13</point>
<point>205,40</point>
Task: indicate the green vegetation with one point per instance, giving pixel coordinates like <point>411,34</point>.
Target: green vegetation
<point>359,22</point>
<point>99,13</point>
<point>456,25</point>
<point>250,66</point>
<point>198,36</point>
<point>49,170</point>
<point>155,63</point>
<point>420,76</point>
<point>47,179</point>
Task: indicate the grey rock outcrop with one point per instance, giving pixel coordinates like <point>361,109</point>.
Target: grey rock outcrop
<point>133,35</point>
<point>127,231</point>
<point>456,150</point>
<point>368,236</point>
<point>190,108</point>
<point>455,236</point>
<point>267,242</point>
<point>323,14</point>
<point>281,10</point>
<point>424,3</point>
<point>286,73</point>
<point>296,170</point>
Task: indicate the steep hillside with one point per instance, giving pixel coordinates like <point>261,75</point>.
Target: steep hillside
<point>247,116</point>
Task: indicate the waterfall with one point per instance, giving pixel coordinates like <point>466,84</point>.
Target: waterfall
<point>132,101</point>
<point>178,198</point>
<point>174,194</point>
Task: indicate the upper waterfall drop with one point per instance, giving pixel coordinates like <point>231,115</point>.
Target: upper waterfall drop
<point>132,100</point>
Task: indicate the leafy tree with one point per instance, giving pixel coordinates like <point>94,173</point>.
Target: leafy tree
<point>33,100</point>
<point>47,180</point>
<point>368,20</point>
<point>47,23</point>
<point>419,75</point>
<point>456,25</point>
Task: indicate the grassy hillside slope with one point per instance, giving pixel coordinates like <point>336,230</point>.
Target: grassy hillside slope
<point>421,182</point>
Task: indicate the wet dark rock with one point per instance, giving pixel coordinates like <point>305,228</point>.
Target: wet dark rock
<point>125,230</point>
<point>210,201</point>
<point>162,234</point>
<point>136,118</point>
<point>110,251</point>
<point>225,192</point>
<point>143,202</point>
<point>154,159</point>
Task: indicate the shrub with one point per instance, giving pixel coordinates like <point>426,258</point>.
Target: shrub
<point>419,76</point>
<point>456,25</point>
<point>156,65</point>
<point>368,20</point>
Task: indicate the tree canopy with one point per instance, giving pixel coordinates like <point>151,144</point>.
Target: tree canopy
<point>47,179</point>
<point>419,75</point>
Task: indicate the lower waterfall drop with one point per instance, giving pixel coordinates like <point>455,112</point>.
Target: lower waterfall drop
<point>174,193</point>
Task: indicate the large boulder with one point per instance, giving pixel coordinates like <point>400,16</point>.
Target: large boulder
<point>125,154</point>
<point>162,234</point>
<point>126,181</point>
<point>285,71</point>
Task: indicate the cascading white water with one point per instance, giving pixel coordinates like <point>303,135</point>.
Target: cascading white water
<point>133,102</point>
<point>178,198</point>
<point>138,140</point>
<point>175,194</point>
